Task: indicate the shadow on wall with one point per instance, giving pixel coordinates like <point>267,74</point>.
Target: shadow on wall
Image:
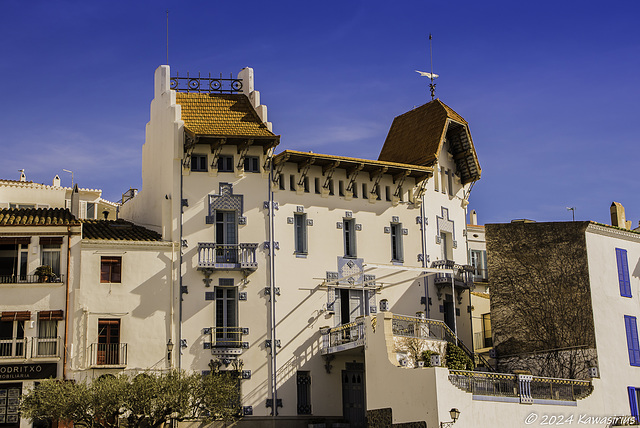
<point>383,418</point>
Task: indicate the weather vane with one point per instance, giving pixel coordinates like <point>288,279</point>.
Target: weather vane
<point>432,75</point>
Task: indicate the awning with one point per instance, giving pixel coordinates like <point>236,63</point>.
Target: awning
<point>51,240</point>
<point>15,316</point>
<point>23,240</point>
<point>51,315</point>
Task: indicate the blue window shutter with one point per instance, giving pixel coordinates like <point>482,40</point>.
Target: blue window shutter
<point>633,401</point>
<point>631,327</point>
<point>623,272</point>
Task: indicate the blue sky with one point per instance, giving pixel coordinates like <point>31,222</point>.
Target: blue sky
<point>549,89</point>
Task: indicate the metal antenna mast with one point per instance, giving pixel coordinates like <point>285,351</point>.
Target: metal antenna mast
<point>432,86</point>
<point>430,75</point>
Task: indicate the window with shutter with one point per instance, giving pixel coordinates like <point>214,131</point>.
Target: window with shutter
<point>623,272</point>
<point>633,400</point>
<point>300,233</point>
<point>110,269</point>
<point>304,392</point>
<point>631,326</point>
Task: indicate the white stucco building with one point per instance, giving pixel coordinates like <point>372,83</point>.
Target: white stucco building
<point>28,194</point>
<point>318,278</point>
<point>284,256</point>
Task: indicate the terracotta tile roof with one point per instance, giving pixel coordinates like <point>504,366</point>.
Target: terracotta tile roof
<point>37,217</point>
<point>416,138</point>
<point>117,230</point>
<point>229,115</point>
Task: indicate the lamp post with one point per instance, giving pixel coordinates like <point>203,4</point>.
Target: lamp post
<point>169,349</point>
<point>455,414</point>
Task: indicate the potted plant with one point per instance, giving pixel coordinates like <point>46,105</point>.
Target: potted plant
<point>44,273</point>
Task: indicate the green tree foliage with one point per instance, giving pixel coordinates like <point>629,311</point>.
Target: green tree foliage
<point>146,400</point>
<point>457,359</point>
<point>425,356</point>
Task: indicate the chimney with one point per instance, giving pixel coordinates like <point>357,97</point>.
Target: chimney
<point>618,217</point>
<point>23,176</point>
<point>75,202</point>
<point>56,181</point>
<point>473,218</point>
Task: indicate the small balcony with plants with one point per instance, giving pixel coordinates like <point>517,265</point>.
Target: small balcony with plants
<point>42,275</point>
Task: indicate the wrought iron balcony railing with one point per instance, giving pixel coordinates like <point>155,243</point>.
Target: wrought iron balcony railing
<point>526,388</point>
<point>108,354</point>
<point>462,274</point>
<point>30,279</point>
<point>423,328</point>
<point>206,84</point>
<point>227,256</point>
<point>345,336</point>
<point>228,337</point>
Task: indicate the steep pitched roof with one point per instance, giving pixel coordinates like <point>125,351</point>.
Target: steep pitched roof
<point>37,217</point>
<point>117,230</point>
<point>224,115</point>
<point>417,137</point>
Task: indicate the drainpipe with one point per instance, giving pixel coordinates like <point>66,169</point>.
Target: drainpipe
<point>272,282</point>
<point>423,237</point>
<point>455,317</point>
<point>466,241</point>
<point>179,344</point>
<point>171,296</point>
<point>66,306</point>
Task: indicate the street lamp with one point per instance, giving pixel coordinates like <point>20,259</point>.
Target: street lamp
<point>169,349</point>
<point>455,414</point>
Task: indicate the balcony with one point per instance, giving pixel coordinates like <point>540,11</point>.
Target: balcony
<point>45,347</point>
<point>227,256</point>
<point>30,279</point>
<point>526,389</point>
<point>421,328</point>
<point>227,340</point>
<point>480,274</point>
<point>462,274</point>
<point>13,348</point>
<point>40,348</point>
<point>108,354</point>
<point>344,337</point>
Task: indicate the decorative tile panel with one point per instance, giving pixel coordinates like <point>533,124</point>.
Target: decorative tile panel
<point>225,201</point>
<point>445,224</point>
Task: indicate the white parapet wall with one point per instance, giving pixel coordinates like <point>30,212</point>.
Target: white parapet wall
<point>427,394</point>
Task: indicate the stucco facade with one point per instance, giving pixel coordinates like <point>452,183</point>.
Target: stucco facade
<point>292,213</point>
